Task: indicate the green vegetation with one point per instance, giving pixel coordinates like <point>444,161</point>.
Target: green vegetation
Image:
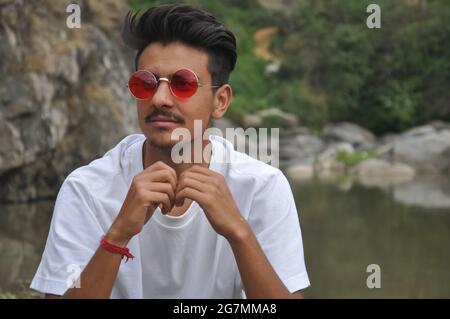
<point>354,158</point>
<point>334,68</point>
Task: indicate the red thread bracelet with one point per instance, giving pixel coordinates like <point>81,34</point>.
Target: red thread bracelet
<point>116,249</point>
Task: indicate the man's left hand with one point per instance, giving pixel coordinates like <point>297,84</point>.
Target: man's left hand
<point>210,190</point>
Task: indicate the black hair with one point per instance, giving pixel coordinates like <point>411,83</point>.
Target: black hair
<point>191,26</point>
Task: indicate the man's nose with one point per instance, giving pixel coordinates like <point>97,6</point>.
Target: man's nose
<point>163,96</point>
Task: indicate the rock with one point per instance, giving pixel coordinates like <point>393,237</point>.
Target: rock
<point>222,124</point>
<point>300,171</point>
<point>258,143</point>
<point>299,149</point>
<point>359,137</point>
<point>23,232</point>
<point>63,95</point>
<point>331,150</point>
<point>19,262</point>
<point>252,120</point>
<point>281,119</point>
<point>26,221</point>
<point>294,131</point>
<point>326,163</point>
<point>427,148</point>
<point>308,144</point>
<point>378,167</point>
<point>380,173</point>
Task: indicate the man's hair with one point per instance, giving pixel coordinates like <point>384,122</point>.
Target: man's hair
<point>190,26</point>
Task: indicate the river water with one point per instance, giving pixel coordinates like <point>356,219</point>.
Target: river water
<point>346,225</point>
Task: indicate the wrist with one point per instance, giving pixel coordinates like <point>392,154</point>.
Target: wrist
<point>240,234</point>
<point>117,237</point>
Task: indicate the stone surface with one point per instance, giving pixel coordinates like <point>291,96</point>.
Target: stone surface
<point>427,148</point>
<point>299,149</point>
<point>379,167</point>
<point>259,119</point>
<point>63,95</point>
<point>359,137</point>
<point>300,171</point>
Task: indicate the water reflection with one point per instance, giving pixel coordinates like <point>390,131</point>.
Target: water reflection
<point>346,228</point>
<point>23,231</point>
<point>426,191</point>
<point>347,225</point>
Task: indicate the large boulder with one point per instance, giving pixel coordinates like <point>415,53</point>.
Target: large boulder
<point>271,117</point>
<point>300,171</point>
<point>300,149</point>
<point>377,167</point>
<point>327,163</point>
<point>427,148</point>
<point>63,94</point>
<point>380,173</point>
<point>18,263</point>
<point>359,137</point>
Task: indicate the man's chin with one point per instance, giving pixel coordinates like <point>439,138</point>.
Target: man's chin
<point>162,144</point>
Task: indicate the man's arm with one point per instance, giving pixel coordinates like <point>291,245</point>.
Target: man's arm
<point>155,185</point>
<point>210,191</point>
<point>258,276</point>
<point>98,277</point>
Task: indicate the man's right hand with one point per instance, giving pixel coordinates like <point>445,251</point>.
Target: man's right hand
<point>154,186</point>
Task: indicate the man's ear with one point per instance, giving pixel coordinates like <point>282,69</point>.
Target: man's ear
<point>222,100</point>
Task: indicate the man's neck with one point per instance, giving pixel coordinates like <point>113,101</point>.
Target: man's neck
<point>153,154</point>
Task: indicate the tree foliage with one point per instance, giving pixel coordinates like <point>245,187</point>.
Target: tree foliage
<point>334,68</point>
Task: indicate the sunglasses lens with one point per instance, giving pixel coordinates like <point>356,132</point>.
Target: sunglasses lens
<point>142,84</point>
<point>184,83</point>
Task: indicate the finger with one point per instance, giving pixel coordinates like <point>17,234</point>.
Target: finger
<point>152,199</point>
<point>205,171</point>
<point>162,176</point>
<point>163,199</point>
<point>189,181</point>
<point>189,193</point>
<point>162,188</point>
<point>160,166</point>
<point>209,183</point>
<point>194,175</point>
<point>201,170</point>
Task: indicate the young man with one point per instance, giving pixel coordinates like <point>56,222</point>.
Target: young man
<point>211,229</point>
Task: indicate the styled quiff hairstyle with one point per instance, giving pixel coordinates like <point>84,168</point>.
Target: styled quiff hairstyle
<point>190,26</point>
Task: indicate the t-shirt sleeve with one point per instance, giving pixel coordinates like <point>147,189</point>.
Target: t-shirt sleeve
<point>275,221</point>
<point>73,238</point>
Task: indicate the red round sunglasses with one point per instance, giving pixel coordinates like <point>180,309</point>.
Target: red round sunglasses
<point>183,84</point>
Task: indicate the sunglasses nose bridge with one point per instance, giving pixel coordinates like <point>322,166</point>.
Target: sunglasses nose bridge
<point>169,85</point>
<point>164,79</point>
<point>158,91</point>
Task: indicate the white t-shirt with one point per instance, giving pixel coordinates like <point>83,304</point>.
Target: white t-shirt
<point>175,257</point>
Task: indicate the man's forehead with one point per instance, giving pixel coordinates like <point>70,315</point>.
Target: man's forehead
<point>166,59</point>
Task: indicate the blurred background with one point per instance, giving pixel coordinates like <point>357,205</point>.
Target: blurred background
<point>364,119</point>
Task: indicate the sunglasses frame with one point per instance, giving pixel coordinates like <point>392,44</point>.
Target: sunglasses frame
<point>168,80</point>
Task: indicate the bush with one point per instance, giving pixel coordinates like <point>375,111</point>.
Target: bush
<point>354,158</point>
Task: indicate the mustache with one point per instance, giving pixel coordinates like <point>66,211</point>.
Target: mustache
<point>159,112</point>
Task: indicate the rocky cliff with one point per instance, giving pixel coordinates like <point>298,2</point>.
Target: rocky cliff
<point>63,94</point>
